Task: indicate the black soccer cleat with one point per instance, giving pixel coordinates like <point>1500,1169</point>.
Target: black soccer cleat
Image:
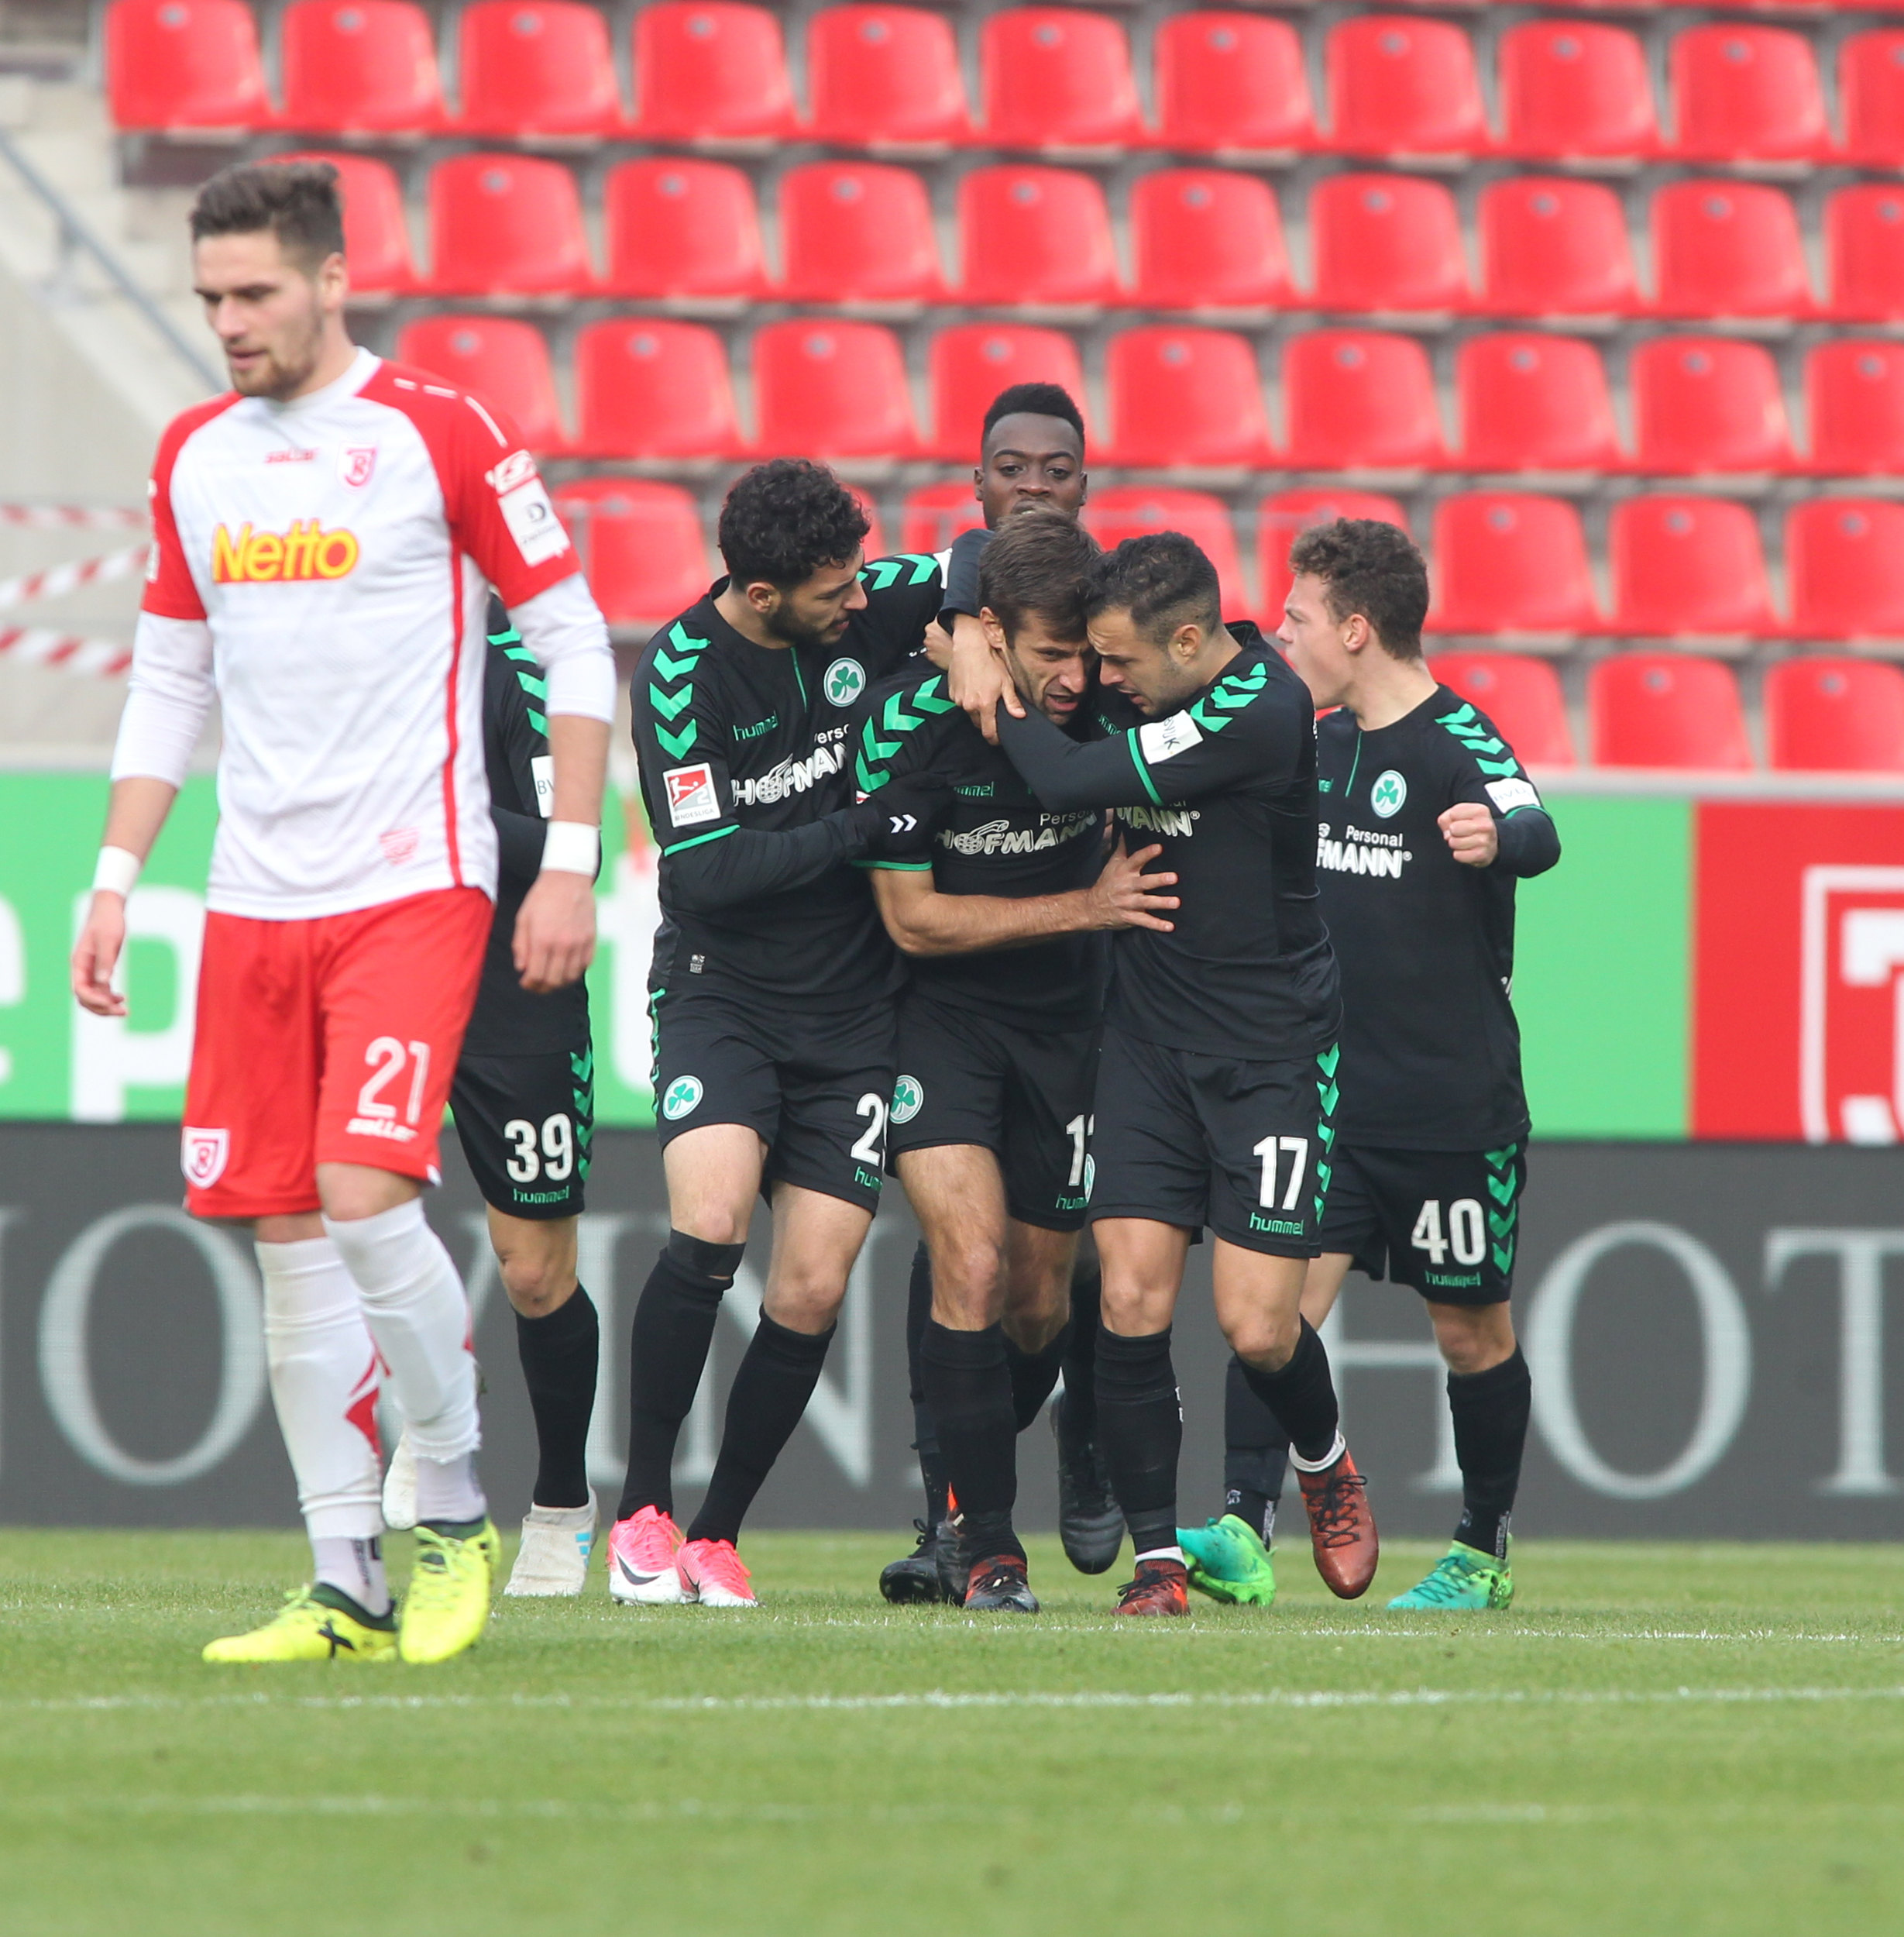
<point>1091,1523</point>
<point>999,1586</point>
<point>920,1578</point>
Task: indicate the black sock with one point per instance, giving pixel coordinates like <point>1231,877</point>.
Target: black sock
<point>970,1391</point>
<point>1302,1395</point>
<point>1140,1428</point>
<point>1490,1411</point>
<point>770,1391</point>
<point>1034,1375</point>
<point>925,1433</point>
<point>560,1354</point>
<point>674,1325</point>
<point>1255,1453</point>
<point>1079,1418</point>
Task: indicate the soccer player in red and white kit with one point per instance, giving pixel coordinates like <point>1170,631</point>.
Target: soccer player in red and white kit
<point>323,535</point>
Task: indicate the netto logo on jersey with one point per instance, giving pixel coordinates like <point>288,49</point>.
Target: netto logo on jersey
<point>306,552</point>
<point>909,1096</point>
<point>1389,793</point>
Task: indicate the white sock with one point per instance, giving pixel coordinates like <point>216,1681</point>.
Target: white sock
<point>1161,1553</point>
<point>448,1489</point>
<point>323,1385</point>
<point>413,1303</point>
<point>355,1567</point>
<point>1328,1459</point>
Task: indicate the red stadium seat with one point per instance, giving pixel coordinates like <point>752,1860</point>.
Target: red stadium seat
<point>1387,242</point>
<point>1574,90</point>
<point>857,231</point>
<point>1728,249</point>
<point>1748,93</point>
<point>1865,248</point>
<point>1231,82</point>
<point>377,234</point>
<point>1828,715</point>
<point>506,225</point>
<point>1688,566</point>
<point>1132,511</point>
<point>173,65</point>
<point>360,68</point>
<point>528,67</point>
<point>1035,236</point>
<point>653,389</point>
<point>1707,404</point>
<point>1281,517</point>
<point>683,230</point>
<point>831,390</point>
<point>1667,710</point>
<point>1401,85</point>
<point>1854,404</point>
<point>641,545</point>
<point>1208,239</point>
<point>502,363</point>
<point>1521,695</point>
<point>1358,400</point>
<point>884,76</point>
<point>936,514</point>
<point>1553,247</point>
<point>1844,565</point>
<point>971,364</point>
<point>1870,97</point>
<point>1534,403</point>
<point>1505,562</point>
<point>711,70</point>
<point>1057,77</point>
<point>1191,397</point>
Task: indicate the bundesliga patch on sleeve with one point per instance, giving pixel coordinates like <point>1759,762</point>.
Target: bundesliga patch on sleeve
<point>1161,739</point>
<point>527,510</point>
<point>691,798</point>
<point>1507,795</point>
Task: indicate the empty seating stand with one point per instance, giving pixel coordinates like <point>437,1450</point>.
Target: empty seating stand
<point>1522,696</point>
<point>360,68</point>
<point>1671,710</point>
<point>173,66</point>
<point>1834,715</point>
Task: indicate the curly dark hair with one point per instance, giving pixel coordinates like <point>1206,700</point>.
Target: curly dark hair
<point>1036,563</point>
<point>297,200</point>
<point>1371,568</point>
<point>784,519</point>
<point>1035,400</point>
<point>1162,579</point>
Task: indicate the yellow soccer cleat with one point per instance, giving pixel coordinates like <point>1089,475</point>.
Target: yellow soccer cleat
<point>315,1624</point>
<point>447,1605</point>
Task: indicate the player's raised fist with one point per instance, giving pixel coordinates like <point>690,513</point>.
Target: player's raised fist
<point>1471,836</point>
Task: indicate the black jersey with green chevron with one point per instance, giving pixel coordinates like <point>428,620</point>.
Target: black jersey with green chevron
<point>1226,787</point>
<point>997,841</point>
<point>1430,1051</point>
<point>731,734</point>
<point>507,1020</point>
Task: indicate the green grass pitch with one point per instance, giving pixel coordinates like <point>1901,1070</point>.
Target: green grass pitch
<point>1682,1739</point>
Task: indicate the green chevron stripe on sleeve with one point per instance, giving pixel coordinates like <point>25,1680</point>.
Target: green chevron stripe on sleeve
<point>670,706</point>
<point>677,745</point>
<point>536,689</point>
<point>700,840</point>
<point>929,699</point>
<point>539,721</point>
<point>517,652</point>
<point>914,568</point>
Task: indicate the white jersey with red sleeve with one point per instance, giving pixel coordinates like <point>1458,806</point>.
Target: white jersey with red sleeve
<point>332,553</point>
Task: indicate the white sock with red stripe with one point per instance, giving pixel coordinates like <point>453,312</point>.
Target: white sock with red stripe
<point>324,1384</point>
<point>413,1303</point>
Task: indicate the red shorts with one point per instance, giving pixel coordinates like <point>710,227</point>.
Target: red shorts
<point>331,1041</point>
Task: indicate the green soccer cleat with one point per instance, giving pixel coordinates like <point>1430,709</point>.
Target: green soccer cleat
<point>447,1605</point>
<point>315,1624</point>
<point>1228,1562</point>
<point>1464,1576</point>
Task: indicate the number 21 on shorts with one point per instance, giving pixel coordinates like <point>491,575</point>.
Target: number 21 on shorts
<point>375,1116</point>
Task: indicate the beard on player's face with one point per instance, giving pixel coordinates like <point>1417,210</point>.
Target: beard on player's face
<point>291,345</point>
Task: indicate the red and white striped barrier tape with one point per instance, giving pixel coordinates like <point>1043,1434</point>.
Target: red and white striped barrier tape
<point>57,580</point>
<point>38,645</point>
<point>73,517</point>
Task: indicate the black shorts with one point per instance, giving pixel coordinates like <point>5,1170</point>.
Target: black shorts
<point>814,1088</point>
<point>526,1125</point>
<point>1024,1094</point>
<point>1447,1222</point>
<point>1242,1148</point>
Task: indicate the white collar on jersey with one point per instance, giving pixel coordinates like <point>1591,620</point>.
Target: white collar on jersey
<point>352,380</point>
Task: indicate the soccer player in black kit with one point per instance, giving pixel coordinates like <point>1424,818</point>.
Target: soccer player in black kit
<point>772,988</point>
<point>524,1102</point>
<point>1218,1081</point>
<point>1427,821</point>
<point>998,1038</point>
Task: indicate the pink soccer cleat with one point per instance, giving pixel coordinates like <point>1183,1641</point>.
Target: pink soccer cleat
<point>641,1571</point>
<point>713,1575</point>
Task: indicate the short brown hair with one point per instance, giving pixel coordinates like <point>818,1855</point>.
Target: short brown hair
<point>1036,563</point>
<point>1162,579</point>
<point>296,200</point>
<point>1370,567</point>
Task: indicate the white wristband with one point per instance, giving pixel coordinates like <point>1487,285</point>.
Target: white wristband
<point>116,872</point>
<point>571,846</point>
